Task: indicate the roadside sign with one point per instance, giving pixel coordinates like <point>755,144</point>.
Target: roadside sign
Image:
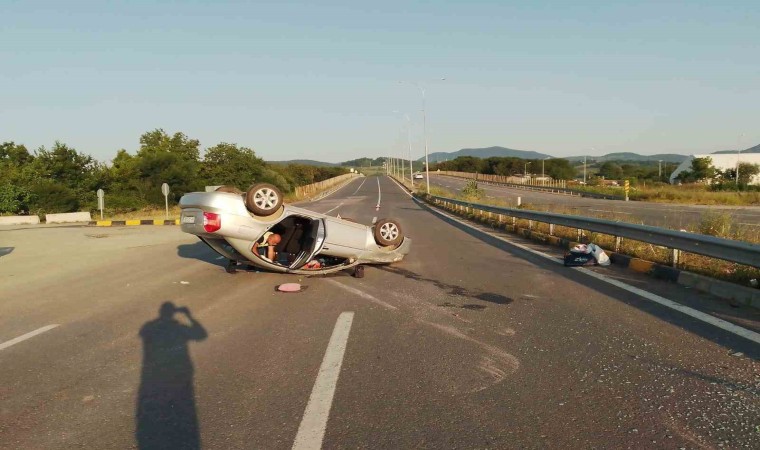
<point>165,191</point>
<point>101,202</point>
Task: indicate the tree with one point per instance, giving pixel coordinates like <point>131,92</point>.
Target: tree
<point>701,171</point>
<point>168,159</point>
<point>231,165</point>
<point>611,170</point>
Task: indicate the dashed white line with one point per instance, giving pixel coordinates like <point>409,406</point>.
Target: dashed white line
<point>26,336</point>
<point>311,432</point>
<point>360,186</point>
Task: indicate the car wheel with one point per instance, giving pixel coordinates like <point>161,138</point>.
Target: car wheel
<point>230,189</point>
<point>263,199</point>
<point>388,232</point>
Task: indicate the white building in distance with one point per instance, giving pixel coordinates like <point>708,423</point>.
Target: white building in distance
<point>720,161</point>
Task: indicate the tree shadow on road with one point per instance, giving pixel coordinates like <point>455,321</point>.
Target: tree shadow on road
<point>166,415</point>
<point>6,250</point>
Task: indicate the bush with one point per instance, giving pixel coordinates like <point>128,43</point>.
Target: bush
<point>14,199</point>
<point>471,191</point>
<point>52,197</point>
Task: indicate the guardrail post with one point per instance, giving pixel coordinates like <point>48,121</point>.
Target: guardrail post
<point>580,234</point>
<point>519,201</point>
<point>500,218</point>
<point>618,240</point>
<point>675,253</point>
<point>514,221</point>
<point>530,225</point>
<point>551,229</point>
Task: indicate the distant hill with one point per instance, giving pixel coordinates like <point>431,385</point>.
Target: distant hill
<point>485,153</point>
<point>755,149</point>
<point>627,156</point>
<point>306,162</point>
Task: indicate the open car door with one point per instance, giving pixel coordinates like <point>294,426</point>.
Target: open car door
<point>312,244</point>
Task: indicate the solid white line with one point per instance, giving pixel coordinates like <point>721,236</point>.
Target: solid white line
<point>311,432</point>
<point>360,186</point>
<point>360,293</point>
<point>403,189</point>
<point>374,220</point>
<point>26,336</point>
<point>379,194</point>
<point>699,315</point>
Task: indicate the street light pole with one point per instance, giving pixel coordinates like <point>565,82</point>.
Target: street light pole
<point>584,170</point>
<point>659,175</point>
<point>424,134</point>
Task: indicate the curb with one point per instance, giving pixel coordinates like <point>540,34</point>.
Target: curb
<point>735,294</point>
<point>130,223</point>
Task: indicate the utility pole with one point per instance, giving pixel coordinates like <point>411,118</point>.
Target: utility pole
<point>584,170</point>
<point>659,175</point>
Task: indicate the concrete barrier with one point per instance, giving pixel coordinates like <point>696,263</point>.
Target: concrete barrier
<point>68,217</point>
<point>19,220</point>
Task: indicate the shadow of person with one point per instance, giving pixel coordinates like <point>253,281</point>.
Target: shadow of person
<point>166,416</point>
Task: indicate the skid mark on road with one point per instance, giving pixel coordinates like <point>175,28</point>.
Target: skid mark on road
<point>311,432</point>
<point>26,336</point>
<point>496,366</point>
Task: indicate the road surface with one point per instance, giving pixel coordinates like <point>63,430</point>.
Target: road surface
<point>470,342</point>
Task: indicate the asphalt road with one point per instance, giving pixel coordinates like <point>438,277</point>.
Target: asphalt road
<point>649,213</point>
<point>467,343</point>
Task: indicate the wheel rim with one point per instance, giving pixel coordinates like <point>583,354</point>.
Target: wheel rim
<point>389,231</point>
<point>265,198</point>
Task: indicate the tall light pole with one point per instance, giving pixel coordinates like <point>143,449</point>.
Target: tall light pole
<point>659,175</point>
<point>424,133</point>
<point>409,141</point>
<point>525,173</point>
<point>543,176</point>
<point>738,154</point>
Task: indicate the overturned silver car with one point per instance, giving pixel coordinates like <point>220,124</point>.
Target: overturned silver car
<point>231,222</point>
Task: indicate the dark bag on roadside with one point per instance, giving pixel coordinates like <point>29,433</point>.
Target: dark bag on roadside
<point>575,258</point>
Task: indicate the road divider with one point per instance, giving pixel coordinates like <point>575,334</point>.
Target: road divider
<point>73,217</point>
<point>132,222</point>
<point>19,220</point>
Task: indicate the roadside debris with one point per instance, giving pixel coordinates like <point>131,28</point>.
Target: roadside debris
<point>582,255</point>
<point>184,282</point>
<point>289,287</point>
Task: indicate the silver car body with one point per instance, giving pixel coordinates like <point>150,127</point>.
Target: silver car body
<point>240,229</point>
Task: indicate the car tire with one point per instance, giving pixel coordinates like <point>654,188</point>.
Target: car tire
<point>388,232</point>
<point>263,199</point>
<point>230,189</point>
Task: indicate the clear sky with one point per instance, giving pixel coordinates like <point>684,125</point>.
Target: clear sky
<point>320,80</point>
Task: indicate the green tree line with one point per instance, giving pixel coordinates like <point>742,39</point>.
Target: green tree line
<point>557,168</point>
<point>61,179</point>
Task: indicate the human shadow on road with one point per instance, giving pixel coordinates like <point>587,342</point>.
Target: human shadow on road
<point>6,250</point>
<point>200,251</point>
<point>166,416</point>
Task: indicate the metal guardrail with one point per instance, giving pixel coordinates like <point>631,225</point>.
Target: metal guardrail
<point>714,247</point>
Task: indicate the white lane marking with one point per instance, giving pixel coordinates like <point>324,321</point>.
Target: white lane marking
<point>403,189</point>
<point>333,209</point>
<point>361,294</point>
<point>699,315</point>
<point>311,432</point>
<point>374,220</point>
<point>360,186</point>
<point>26,336</point>
<point>379,194</point>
